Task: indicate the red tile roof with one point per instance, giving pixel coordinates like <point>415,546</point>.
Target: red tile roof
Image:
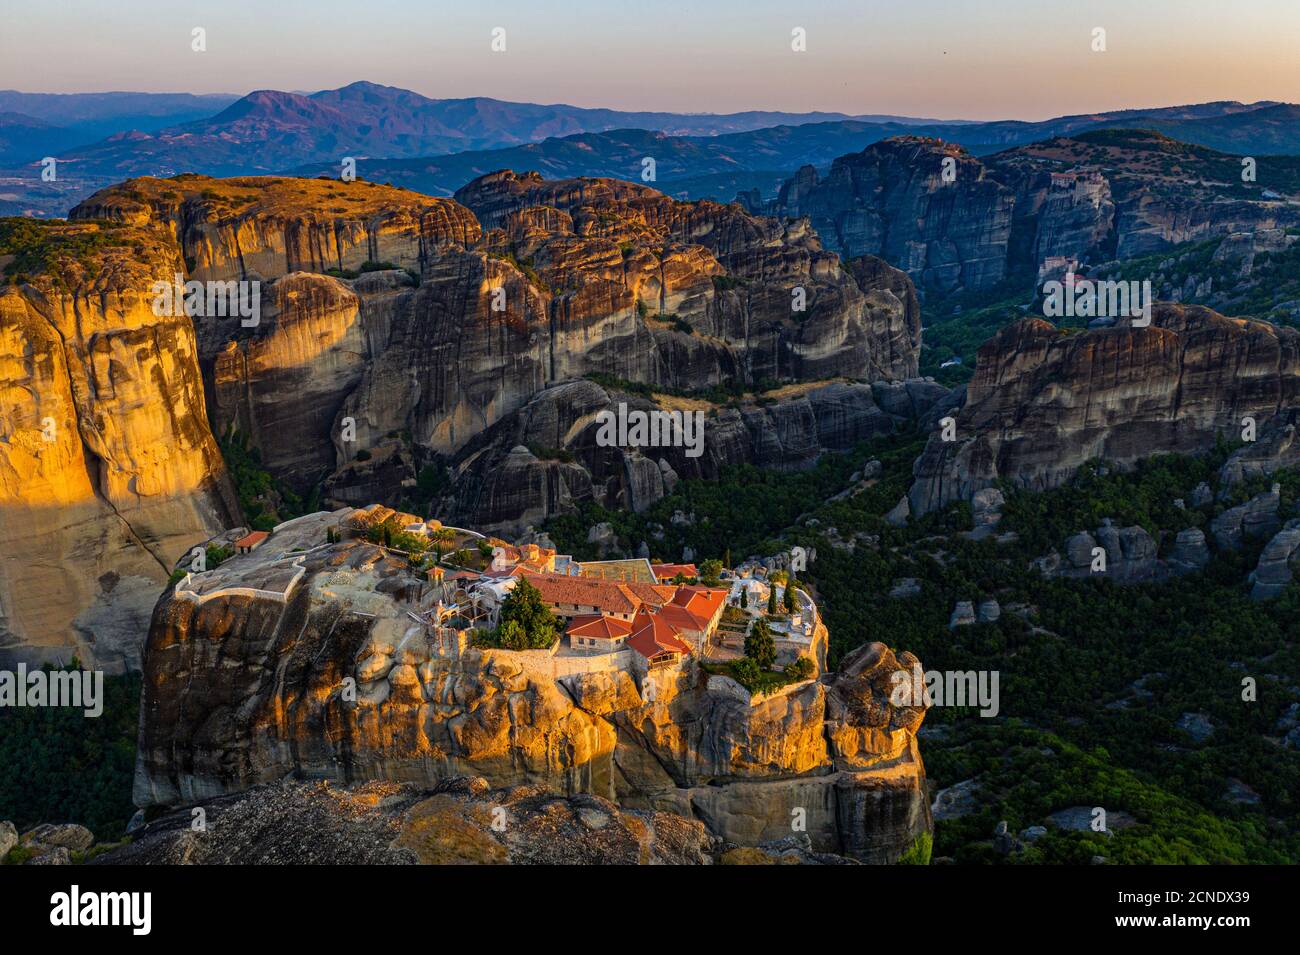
<point>669,571</point>
<point>652,635</point>
<point>252,539</point>
<point>700,602</point>
<point>592,625</point>
<point>607,596</point>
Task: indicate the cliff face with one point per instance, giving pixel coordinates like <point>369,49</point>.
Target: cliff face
<point>107,467</point>
<point>1043,402</point>
<point>266,692</point>
<point>573,277</point>
<point>892,200</point>
<point>265,227</point>
<point>1097,197</point>
<point>545,459</point>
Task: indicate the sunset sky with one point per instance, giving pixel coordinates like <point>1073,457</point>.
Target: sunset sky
<point>970,59</point>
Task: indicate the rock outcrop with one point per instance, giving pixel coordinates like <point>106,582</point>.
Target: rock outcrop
<point>337,682</point>
<point>108,469</point>
<point>461,821</point>
<point>266,227</point>
<point>1256,519</point>
<point>923,205</point>
<point>1278,563</point>
<point>571,278</point>
<point>546,458</point>
<point>1043,401</point>
<point>952,221</point>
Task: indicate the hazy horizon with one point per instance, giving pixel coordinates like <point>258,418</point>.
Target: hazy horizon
<point>942,59</point>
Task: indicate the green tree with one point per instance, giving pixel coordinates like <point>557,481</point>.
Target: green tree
<point>744,599</point>
<point>760,646</point>
<point>791,604</point>
<point>771,599</point>
<point>526,608</point>
<point>919,851</point>
<point>511,635</point>
<point>746,672</point>
<point>711,573</point>
<point>800,669</point>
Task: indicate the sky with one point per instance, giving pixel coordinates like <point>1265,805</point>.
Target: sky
<point>946,59</point>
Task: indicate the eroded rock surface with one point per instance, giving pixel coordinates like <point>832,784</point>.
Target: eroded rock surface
<point>265,695</point>
<point>1044,402</point>
<point>108,469</point>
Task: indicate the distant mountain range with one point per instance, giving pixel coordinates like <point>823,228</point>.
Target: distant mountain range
<point>718,167</point>
<point>436,146</point>
<point>179,131</point>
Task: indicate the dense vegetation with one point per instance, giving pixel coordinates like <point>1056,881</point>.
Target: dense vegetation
<point>265,500</point>
<point>61,766</point>
<point>1094,677</point>
<point>37,247</point>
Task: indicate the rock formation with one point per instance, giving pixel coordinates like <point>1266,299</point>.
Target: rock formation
<point>1097,197</point>
<point>1278,563</point>
<point>925,206</point>
<point>108,470</point>
<point>267,227</point>
<point>545,458</point>
<point>338,683</point>
<point>1043,401</point>
<point>1254,520</point>
<point>571,278</point>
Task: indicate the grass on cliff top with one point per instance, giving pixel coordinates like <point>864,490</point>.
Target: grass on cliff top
<point>31,247</point>
<point>282,196</point>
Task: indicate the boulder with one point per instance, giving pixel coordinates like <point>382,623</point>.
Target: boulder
<point>1189,552</point>
<point>963,615</point>
<point>898,514</point>
<point>1278,563</point>
<point>68,835</point>
<point>986,511</point>
<point>1255,519</point>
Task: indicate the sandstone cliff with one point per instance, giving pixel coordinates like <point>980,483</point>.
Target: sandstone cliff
<point>339,683</point>
<point>265,227</point>
<point>107,467</point>
<point>572,277</point>
<point>1043,400</point>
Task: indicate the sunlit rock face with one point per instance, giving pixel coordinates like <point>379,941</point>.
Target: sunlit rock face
<point>570,278</point>
<point>432,329</point>
<point>108,469</point>
<point>264,227</point>
<point>268,691</point>
<point>1044,401</point>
